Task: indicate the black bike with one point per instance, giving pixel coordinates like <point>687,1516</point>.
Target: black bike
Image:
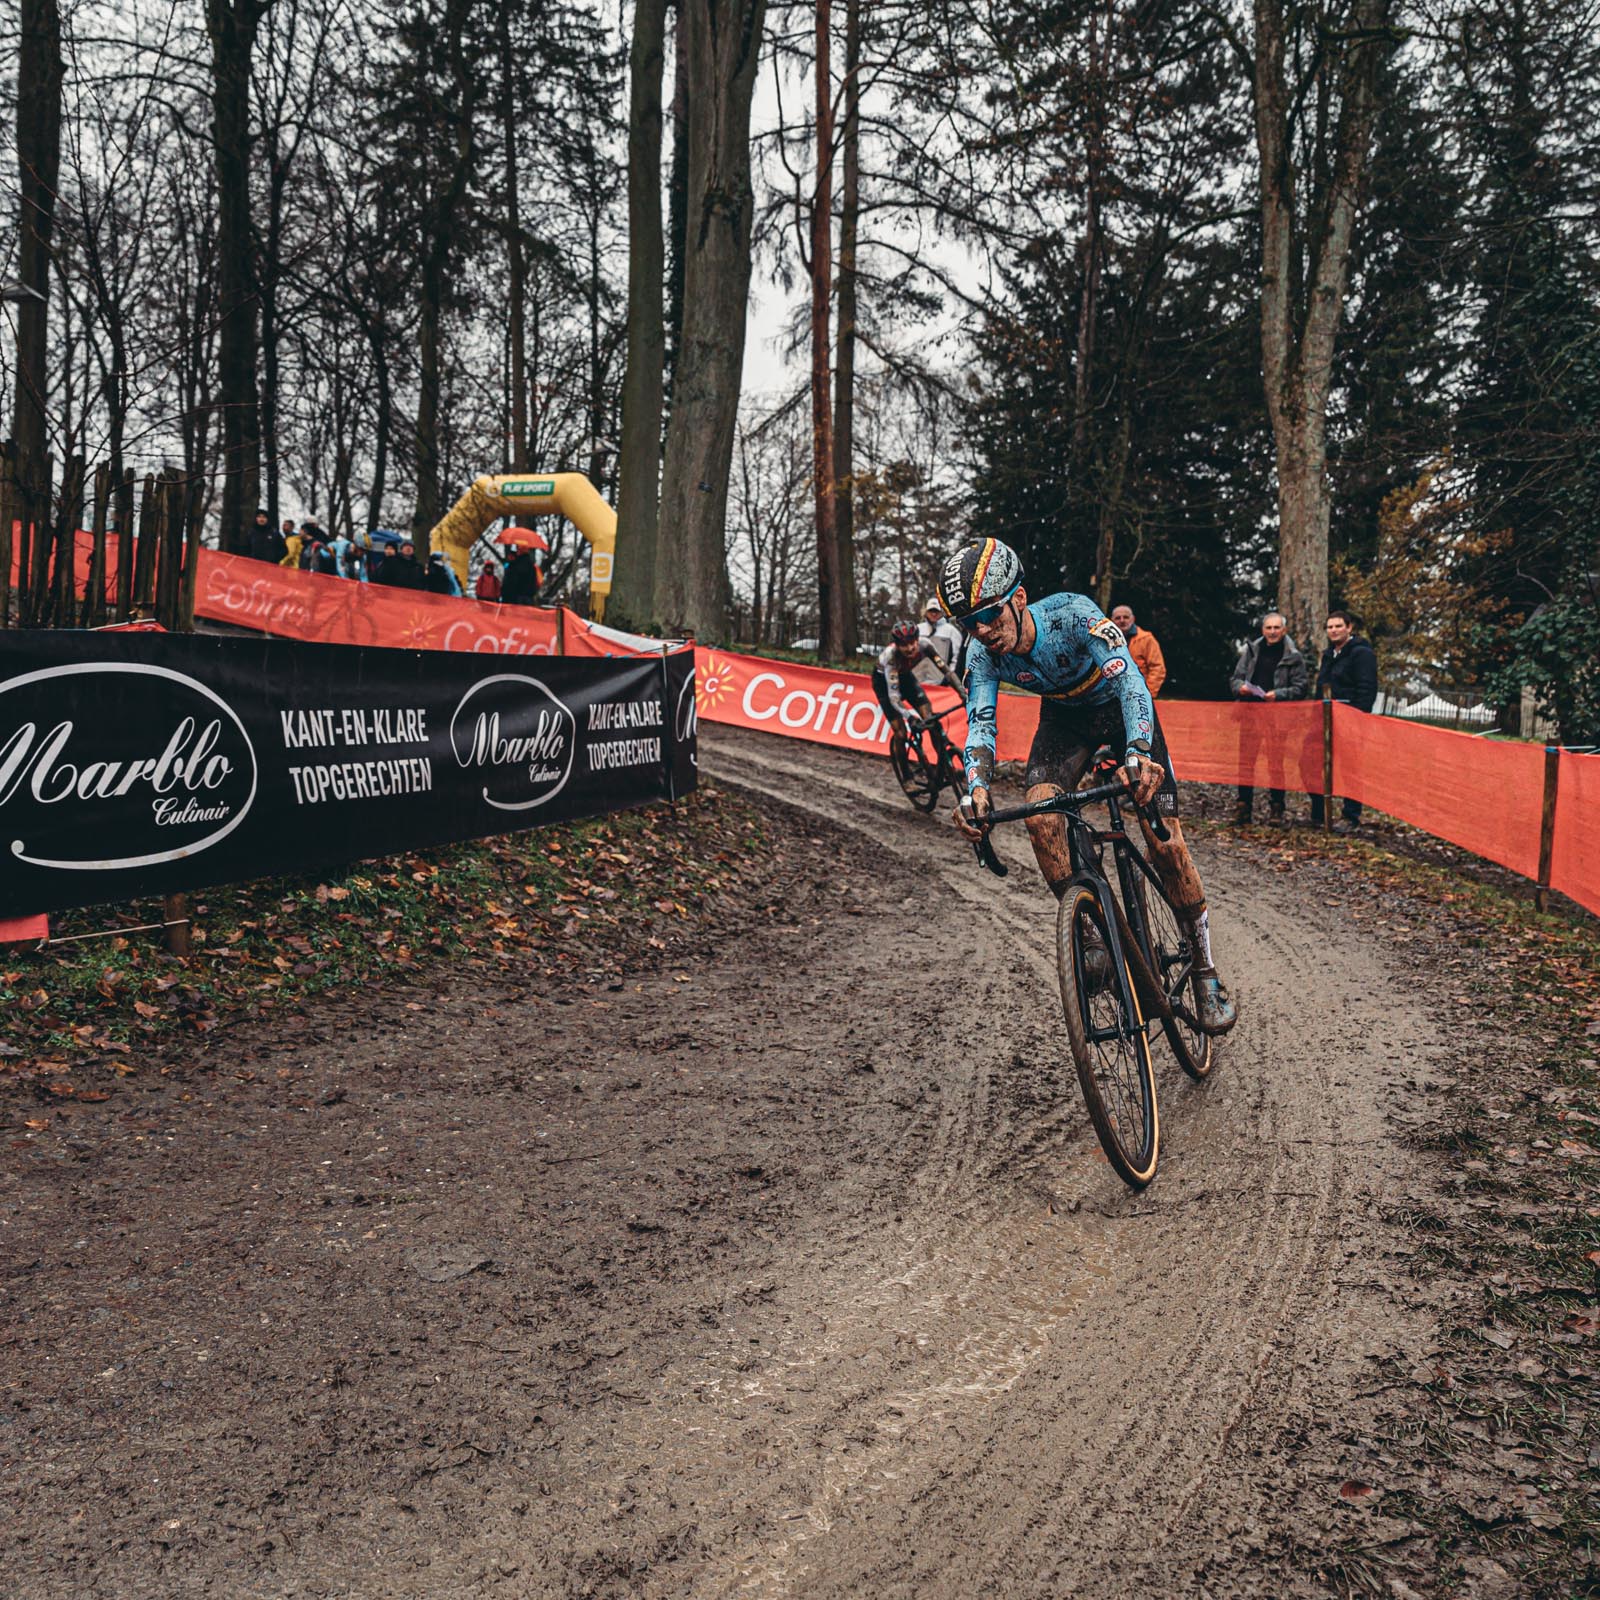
<point>1122,960</point>
<point>927,763</point>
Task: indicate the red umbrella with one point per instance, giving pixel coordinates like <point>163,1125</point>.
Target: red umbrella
<point>524,539</point>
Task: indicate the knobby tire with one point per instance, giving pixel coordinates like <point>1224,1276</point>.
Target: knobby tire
<point>1115,1074</point>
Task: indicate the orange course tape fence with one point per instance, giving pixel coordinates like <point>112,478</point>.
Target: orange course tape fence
<point>1484,795</point>
<point>1575,853</point>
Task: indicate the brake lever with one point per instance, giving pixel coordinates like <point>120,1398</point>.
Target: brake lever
<point>981,847</point>
<point>985,854</point>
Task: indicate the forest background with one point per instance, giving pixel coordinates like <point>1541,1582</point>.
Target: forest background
<point>1206,307</point>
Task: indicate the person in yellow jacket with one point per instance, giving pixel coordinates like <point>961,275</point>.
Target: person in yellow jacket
<point>292,541</point>
<point>1144,647</point>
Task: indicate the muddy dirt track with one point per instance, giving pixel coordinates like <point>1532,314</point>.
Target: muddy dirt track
<point>789,1267</point>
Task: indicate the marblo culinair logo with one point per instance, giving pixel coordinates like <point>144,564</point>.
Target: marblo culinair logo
<point>159,768</point>
<point>519,736</point>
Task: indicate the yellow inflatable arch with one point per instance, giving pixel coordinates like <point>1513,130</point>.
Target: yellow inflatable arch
<point>569,494</point>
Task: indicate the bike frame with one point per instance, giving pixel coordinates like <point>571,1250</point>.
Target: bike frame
<point>1086,848</point>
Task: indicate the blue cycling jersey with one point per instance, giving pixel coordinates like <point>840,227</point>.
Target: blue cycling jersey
<point>1079,658</point>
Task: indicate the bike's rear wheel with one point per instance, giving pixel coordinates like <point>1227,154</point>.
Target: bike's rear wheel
<point>1110,1043</point>
<point>1171,962</point>
<point>916,769</point>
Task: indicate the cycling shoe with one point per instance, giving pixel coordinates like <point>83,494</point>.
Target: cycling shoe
<point>1217,1012</point>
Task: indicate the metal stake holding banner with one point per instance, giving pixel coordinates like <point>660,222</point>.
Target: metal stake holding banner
<point>1327,759</point>
<point>1547,825</point>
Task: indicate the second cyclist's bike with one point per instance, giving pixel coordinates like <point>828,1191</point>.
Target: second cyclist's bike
<point>926,763</point>
<point>1125,967</point>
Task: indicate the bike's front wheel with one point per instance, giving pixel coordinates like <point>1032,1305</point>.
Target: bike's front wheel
<point>916,771</point>
<point>1110,1043</point>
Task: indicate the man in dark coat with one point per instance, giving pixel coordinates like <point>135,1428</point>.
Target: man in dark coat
<point>400,569</point>
<point>1349,673</point>
<point>522,581</point>
<point>265,545</point>
<point>1269,669</point>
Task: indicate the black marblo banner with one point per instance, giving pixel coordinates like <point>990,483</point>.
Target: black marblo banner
<point>134,764</point>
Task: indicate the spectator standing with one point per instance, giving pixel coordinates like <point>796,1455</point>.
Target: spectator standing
<point>265,545</point>
<point>523,581</point>
<point>1269,668</point>
<point>488,586</point>
<point>292,543</point>
<point>1145,649</point>
<point>400,569</point>
<point>311,537</point>
<point>947,641</point>
<point>347,559</point>
<point>441,576</point>
<point>1348,674</point>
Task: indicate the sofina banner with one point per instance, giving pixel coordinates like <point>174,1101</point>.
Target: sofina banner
<point>134,764</point>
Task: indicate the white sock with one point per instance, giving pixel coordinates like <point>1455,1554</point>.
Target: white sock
<point>1200,926</point>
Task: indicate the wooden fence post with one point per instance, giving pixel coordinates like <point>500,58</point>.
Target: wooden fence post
<point>69,513</point>
<point>187,589</point>
<point>124,517</point>
<point>168,569</point>
<point>175,914</point>
<point>94,596</point>
<point>10,511</point>
<point>36,491</point>
<point>1547,825</point>
<point>1327,759</point>
<point>144,568</point>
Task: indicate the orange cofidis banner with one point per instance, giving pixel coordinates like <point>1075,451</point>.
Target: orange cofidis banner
<point>837,708</point>
<point>326,610</point>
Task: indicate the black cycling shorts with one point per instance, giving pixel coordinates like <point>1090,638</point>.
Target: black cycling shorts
<point>1068,737</point>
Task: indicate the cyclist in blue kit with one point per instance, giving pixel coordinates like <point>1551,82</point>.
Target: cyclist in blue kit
<point>1066,651</point>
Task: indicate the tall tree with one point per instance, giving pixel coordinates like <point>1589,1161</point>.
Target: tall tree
<point>1311,183</point>
<point>722,42</point>
<point>231,26</point>
<point>830,594</point>
<point>40,71</point>
<point>844,377</point>
<point>639,469</point>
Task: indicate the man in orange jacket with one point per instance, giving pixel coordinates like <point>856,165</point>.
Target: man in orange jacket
<point>1144,648</point>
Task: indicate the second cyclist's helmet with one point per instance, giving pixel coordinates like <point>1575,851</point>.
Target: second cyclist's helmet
<point>904,633</point>
<point>979,577</point>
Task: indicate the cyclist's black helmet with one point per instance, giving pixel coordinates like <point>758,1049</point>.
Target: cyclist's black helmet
<point>904,633</point>
<point>978,577</point>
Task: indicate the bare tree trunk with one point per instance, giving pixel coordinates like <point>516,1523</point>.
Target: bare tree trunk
<point>232,26</point>
<point>441,235</point>
<point>844,378</point>
<point>383,426</point>
<point>830,602</point>
<point>517,329</point>
<point>639,469</point>
<point>1299,329</point>
<point>39,78</point>
<point>722,46</point>
<point>1090,254</point>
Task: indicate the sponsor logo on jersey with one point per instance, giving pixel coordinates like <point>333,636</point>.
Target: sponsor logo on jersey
<point>1027,677</point>
<point>1114,668</point>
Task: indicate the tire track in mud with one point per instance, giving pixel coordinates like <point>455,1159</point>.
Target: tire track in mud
<point>1179,1308</point>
